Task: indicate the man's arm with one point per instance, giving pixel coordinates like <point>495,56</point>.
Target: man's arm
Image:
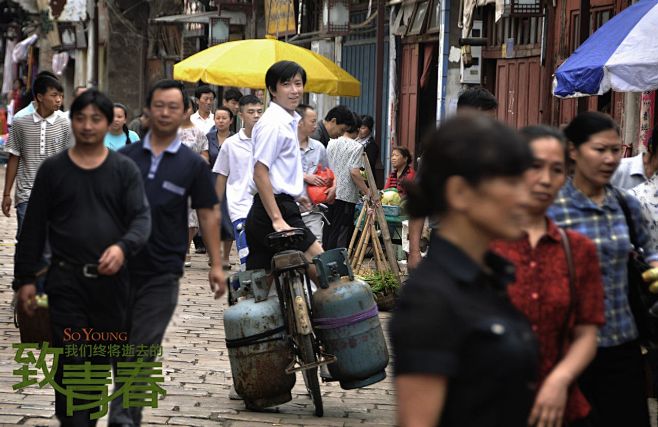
<point>264,187</point>
<point>10,176</point>
<point>29,251</point>
<point>415,233</point>
<point>355,174</point>
<point>220,187</point>
<point>204,200</point>
<point>209,222</point>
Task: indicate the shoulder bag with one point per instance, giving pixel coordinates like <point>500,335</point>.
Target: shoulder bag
<point>639,297</point>
<point>564,333</point>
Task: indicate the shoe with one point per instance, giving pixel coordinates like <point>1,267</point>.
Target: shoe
<point>226,266</point>
<point>200,250</point>
<point>325,374</point>
<point>188,261</point>
<point>233,395</point>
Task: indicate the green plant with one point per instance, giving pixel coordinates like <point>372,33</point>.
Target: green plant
<point>381,282</point>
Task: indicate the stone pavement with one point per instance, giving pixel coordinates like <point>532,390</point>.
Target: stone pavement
<point>196,367</point>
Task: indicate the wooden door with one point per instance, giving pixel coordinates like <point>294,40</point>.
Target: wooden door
<point>407,124</point>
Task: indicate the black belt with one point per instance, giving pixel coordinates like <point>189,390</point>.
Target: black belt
<point>89,271</point>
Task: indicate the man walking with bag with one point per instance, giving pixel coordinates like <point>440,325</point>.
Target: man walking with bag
<point>89,202</point>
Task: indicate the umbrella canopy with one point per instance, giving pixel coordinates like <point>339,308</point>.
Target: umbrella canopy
<point>621,55</point>
<point>244,63</point>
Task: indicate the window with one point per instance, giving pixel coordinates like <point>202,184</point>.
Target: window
<point>419,19</point>
<point>599,17</point>
<point>434,23</point>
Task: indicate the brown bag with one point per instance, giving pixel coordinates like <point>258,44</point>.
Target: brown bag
<point>35,328</point>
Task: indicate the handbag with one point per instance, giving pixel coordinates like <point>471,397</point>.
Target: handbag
<point>35,328</point>
<point>317,194</point>
<point>640,299</point>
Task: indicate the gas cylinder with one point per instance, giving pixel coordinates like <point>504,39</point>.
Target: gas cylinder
<point>346,320</point>
<point>255,338</point>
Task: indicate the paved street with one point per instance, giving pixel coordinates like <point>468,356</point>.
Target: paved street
<point>197,371</point>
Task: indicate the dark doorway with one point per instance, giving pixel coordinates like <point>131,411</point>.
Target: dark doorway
<point>428,84</point>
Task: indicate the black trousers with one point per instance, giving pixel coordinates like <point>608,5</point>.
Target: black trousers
<point>153,300</point>
<point>77,303</point>
<point>614,384</point>
<point>341,217</point>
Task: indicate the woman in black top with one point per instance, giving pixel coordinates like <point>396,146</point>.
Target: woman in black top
<point>464,356</point>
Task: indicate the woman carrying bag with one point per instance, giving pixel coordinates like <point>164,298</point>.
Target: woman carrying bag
<point>614,383</point>
<point>558,287</point>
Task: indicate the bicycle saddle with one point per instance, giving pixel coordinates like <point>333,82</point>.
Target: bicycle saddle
<point>283,240</point>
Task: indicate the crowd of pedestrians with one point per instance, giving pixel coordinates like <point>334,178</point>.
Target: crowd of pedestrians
<point>565,226</point>
<point>114,204</point>
<point>519,315</point>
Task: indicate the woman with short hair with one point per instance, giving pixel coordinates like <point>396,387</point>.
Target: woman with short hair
<point>565,311</point>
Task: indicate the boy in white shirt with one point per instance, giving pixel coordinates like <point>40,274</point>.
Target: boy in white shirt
<point>278,174</point>
<point>234,169</point>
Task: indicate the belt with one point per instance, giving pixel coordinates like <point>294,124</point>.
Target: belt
<point>89,271</point>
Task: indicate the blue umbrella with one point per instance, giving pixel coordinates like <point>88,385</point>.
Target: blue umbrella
<point>622,55</point>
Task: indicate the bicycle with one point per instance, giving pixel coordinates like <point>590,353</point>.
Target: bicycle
<point>293,287</point>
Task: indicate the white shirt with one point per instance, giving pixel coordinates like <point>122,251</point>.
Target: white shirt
<point>344,154</point>
<point>277,147</point>
<point>235,162</point>
<point>203,124</point>
<point>629,173</point>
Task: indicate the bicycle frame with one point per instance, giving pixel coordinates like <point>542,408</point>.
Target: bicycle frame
<point>298,312</point>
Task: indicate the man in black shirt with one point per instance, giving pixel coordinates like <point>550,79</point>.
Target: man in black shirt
<point>172,174</point>
<point>90,203</point>
<point>337,120</point>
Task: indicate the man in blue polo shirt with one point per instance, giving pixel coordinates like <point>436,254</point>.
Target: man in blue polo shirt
<point>172,173</point>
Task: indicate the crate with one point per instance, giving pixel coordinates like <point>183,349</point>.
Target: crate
<point>391,210</point>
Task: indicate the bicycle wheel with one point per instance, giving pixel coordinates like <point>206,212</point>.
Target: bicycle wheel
<point>307,354</point>
<point>311,375</point>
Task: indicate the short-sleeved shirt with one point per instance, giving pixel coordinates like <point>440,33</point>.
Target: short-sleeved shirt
<point>344,154</point>
<point>457,321</point>
<point>313,155</point>
<point>203,124</point>
<point>33,139</point>
<point>115,142</point>
<point>170,179</point>
<point>629,173</point>
<point>606,226</point>
<point>542,292</point>
<point>647,194</point>
<point>193,138</point>
<point>235,162</point>
<point>276,146</point>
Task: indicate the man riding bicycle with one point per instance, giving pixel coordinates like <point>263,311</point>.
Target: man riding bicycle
<point>278,175</point>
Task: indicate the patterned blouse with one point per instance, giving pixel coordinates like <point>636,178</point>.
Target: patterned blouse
<point>541,292</point>
<point>394,182</point>
<point>194,139</point>
<point>647,194</point>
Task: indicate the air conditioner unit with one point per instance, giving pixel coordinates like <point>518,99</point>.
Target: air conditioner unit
<point>473,74</point>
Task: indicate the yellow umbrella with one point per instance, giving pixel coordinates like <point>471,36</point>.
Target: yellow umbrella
<point>244,63</point>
